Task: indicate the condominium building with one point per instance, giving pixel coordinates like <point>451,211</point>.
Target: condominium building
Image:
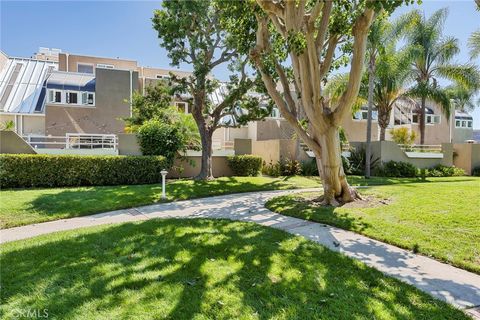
<point>59,94</point>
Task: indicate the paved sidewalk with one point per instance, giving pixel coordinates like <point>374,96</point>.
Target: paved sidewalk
<point>456,286</point>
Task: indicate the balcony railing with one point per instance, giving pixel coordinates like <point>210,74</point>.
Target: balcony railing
<point>73,141</point>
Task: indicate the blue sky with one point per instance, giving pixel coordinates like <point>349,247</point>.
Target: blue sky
<point>123,29</point>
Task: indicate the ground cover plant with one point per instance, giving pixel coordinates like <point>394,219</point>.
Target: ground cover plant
<point>199,269</point>
<point>437,218</point>
<point>26,206</point>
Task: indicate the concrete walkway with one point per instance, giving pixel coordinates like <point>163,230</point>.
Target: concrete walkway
<point>456,286</point>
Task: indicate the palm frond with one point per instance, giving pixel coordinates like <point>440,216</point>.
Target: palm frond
<point>466,75</point>
<point>474,44</point>
<point>435,94</point>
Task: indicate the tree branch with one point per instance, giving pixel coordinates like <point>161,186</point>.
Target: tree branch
<point>360,32</point>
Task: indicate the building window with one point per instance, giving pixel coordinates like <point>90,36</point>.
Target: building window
<point>105,66</point>
<point>432,119</point>
<point>363,115</point>
<point>415,118</point>
<point>463,123</point>
<point>54,96</point>
<point>182,106</point>
<point>161,76</point>
<point>85,68</point>
<point>88,98</point>
<point>72,97</point>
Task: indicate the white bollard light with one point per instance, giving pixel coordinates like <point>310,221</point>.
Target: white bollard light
<point>164,174</point>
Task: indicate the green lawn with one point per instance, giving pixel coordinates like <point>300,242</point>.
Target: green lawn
<point>26,206</point>
<point>439,218</point>
<point>199,269</point>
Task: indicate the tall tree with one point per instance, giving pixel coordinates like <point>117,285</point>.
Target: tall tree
<point>311,34</point>
<point>434,60</point>
<point>191,33</point>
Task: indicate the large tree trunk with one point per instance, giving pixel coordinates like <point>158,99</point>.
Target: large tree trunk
<point>206,169</point>
<point>336,189</point>
<point>422,122</point>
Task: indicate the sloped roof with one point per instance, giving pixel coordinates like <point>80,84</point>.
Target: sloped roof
<point>22,84</point>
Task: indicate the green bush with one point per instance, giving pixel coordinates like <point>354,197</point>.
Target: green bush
<point>309,168</point>
<point>444,171</point>
<point>284,167</point>
<point>23,171</point>
<point>245,165</point>
<point>272,169</point>
<point>476,172</point>
<point>157,138</point>
<point>397,169</point>
<point>356,164</point>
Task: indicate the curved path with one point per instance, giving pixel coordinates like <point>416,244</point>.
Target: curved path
<point>456,286</point>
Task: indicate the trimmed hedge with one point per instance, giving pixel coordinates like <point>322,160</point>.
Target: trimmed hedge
<point>397,169</point>
<point>245,165</point>
<point>444,171</point>
<point>21,171</point>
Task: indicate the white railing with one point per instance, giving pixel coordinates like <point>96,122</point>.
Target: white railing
<point>432,148</point>
<point>73,141</point>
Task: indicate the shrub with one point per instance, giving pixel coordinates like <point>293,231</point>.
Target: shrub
<point>309,168</point>
<point>159,139</point>
<point>245,165</point>
<point>357,162</point>
<point>272,169</point>
<point>284,167</point>
<point>290,167</point>
<point>403,136</point>
<point>397,169</point>
<point>476,172</point>
<point>21,171</point>
<point>444,171</point>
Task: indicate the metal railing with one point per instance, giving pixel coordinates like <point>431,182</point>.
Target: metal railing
<point>74,141</point>
<point>432,148</point>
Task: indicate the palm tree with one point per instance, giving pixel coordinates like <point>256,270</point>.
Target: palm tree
<point>462,98</point>
<point>433,57</point>
<point>474,44</point>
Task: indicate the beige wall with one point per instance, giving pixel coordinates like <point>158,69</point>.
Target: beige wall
<point>74,59</point>
<point>191,167</point>
<point>356,130</point>
<point>128,145</point>
<point>390,151</point>
<point>33,125</point>
<point>467,156</point>
<point>272,128</point>
<point>10,142</point>
<point>460,135</point>
<point>25,123</point>
<point>112,93</point>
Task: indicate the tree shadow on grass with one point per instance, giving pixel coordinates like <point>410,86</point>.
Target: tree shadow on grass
<point>210,269</point>
<point>78,202</point>
<point>299,207</point>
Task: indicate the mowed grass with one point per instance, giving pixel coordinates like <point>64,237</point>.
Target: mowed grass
<point>27,206</point>
<point>199,269</point>
<point>438,218</point>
